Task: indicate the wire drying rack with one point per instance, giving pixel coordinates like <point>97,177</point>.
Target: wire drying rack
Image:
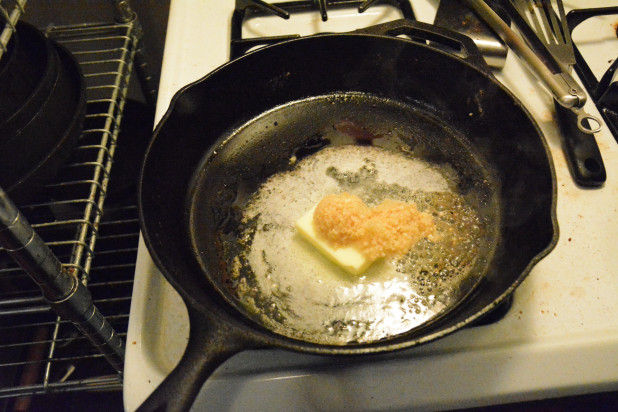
<point>9,15</point>
<point>39,352</point>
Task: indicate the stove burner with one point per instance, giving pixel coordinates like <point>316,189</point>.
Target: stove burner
<point>604,93</point>
<point>261,4</point>
<point>247,9</point>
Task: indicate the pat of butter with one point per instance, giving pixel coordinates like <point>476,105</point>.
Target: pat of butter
<point>348,258</point>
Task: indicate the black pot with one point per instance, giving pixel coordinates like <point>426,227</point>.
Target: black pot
<point>31,155</point>
<point>26,78</point>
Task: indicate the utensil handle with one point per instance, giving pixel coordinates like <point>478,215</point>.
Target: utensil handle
<point>581,150</point>
<point>211,342</point>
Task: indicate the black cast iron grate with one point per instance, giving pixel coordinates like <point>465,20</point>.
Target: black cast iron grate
<point>248,9</point>
<point>603,92</point>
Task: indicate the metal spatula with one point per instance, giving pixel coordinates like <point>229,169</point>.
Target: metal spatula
<point>550,29</point>
<point>582,152</point>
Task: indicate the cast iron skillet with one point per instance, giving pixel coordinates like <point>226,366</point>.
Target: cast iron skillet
<point>221,130</point>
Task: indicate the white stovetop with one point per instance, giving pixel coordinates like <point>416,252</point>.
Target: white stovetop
<point>559,338</point>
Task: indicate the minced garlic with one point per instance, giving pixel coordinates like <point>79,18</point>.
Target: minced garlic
<point>389,229</point>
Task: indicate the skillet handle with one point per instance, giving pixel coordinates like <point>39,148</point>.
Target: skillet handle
<point>211,342</point>
<point>437,37</point>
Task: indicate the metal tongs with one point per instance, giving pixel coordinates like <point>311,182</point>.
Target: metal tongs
<point>556,77</point>
<point>547,52</point>
<point>552,73</point>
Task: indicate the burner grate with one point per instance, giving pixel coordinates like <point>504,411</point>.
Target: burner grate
<point>248,9</point>
<point>603,92</point>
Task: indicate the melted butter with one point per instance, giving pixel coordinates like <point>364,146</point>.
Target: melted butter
<point>289,287</point>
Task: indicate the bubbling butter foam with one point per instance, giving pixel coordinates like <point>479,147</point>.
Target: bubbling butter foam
<point>289,287</point>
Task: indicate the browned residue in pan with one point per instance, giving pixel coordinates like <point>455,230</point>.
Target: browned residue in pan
<point>362,135</point>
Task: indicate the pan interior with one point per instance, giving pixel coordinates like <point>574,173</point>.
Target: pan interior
<point>268,172</point>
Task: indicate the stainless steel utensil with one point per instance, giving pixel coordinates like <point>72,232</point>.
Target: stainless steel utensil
<point>551,29</point>
<point>582,153</point>
<point>547,69</point>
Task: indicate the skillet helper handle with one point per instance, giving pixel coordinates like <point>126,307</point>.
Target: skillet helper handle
<point>211,342</point>
<point>581,150</point>
<point>438,37</point>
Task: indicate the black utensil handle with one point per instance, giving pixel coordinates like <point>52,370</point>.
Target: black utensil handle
<point>211,342</point>
<point>440,38</point>
<point>581,150</point>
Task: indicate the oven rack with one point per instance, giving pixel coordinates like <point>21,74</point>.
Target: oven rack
<point>40,353</point>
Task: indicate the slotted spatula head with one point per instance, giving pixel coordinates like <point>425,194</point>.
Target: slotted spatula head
<point>550,28</point>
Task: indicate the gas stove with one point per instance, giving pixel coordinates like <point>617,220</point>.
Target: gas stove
<point>558,338</point>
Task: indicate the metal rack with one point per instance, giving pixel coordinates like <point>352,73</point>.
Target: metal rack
<point>10,20</point>
<point>40,353</point>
